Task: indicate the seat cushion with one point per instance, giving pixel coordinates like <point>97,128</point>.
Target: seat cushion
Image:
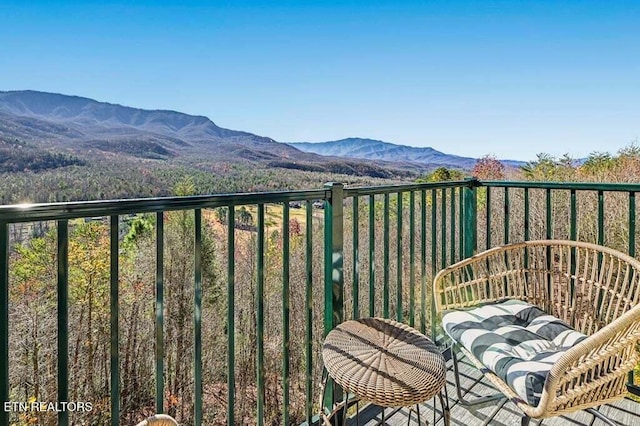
<point>517,341</point>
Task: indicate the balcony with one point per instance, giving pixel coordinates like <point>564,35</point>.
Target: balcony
<point>213,308</point>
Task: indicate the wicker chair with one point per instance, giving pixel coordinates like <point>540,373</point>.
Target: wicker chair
<point>159,420</point>
<point>593,289</point>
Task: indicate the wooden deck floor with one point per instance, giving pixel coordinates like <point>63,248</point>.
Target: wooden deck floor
<point>498,413</point>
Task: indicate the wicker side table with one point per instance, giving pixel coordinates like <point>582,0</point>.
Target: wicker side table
<point>386,363</point>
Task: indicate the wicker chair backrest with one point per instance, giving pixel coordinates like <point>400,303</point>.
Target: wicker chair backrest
<point>586,285</point>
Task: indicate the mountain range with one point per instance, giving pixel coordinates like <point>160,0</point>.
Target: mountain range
<point>73,121</point>
<point>372,149</point>
<point>89,130</point>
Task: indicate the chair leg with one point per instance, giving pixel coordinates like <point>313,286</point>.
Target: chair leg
<point>525,421</point>
<point>446,413</point>
<point>345,404</point>
<point>461,399</point>
<point>599,415</point>
<point>417,415</point>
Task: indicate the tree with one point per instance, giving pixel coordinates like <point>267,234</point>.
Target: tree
<point>222,213</point>
<point>488,168</point>
<point>442,174</point>
<point>599,163</point>
<point>245,217</point>
<point>548,168</point>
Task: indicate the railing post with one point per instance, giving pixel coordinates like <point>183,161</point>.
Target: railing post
<point>333,271</point>
<point>333,256</point>
<point>470,217</point>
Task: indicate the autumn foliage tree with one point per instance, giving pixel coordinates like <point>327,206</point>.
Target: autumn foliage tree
<point>488,168</point>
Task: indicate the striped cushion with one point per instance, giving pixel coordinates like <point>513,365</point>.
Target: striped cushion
<point>516,340</point>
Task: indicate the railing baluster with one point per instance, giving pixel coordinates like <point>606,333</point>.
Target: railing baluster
<point>526,230</point>
<point>285,314</point>
<point>423,260</point>
<point>197,318</point>
<point>549,235</point>
<point>114,315</point>
<point>356,259</point>
<point>260,375</point>
<point>488,211</point>
<point>412,255</point>
<point>231,329</point>
<point>308,306</point>
<point>4,320</point>
<point>452,218</point>
<point>549,218</point>
<point>460,223</point>
<point>471,218</point>
<point>632,224</point>
<point>399,311</point>
<point>632,253</point>
<point>573,228</point>
<point>63,318</point>
<point>443,230</point>
<point>601,219</point>
<point>160,312</point>
<point>573,231</point>
<point>506,215</point>
<point>526,217</point>
<point>434,255</point>
<point>600,242</point>
<point>385,254</point>
<point>506,234</point>
<point>372,255</point>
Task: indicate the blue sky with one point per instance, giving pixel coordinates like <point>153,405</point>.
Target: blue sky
<point>510,78</point>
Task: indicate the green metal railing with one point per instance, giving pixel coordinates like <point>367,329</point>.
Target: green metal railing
<point>63,213</point>
<point>371,240</point>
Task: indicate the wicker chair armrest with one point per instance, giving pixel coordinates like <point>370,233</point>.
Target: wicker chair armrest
<point>596,362</point>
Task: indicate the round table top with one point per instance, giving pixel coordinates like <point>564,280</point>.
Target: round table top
<point>384,362</point>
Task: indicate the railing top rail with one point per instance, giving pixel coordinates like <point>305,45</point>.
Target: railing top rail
<point>71,210</point>
<point>581,186</point>
<point>389,189</point>
<point>79,209</point>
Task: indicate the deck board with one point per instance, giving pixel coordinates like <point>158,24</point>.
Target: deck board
<point>496,413</point>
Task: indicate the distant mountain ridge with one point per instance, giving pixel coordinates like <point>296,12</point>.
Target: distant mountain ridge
<point>85,127</point>
<point>371,149</point>
<point>86,130</point>
<point>101,118</point>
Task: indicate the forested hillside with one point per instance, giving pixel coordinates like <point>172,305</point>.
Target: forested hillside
<point>18,156</point>
<point>115,178</point>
